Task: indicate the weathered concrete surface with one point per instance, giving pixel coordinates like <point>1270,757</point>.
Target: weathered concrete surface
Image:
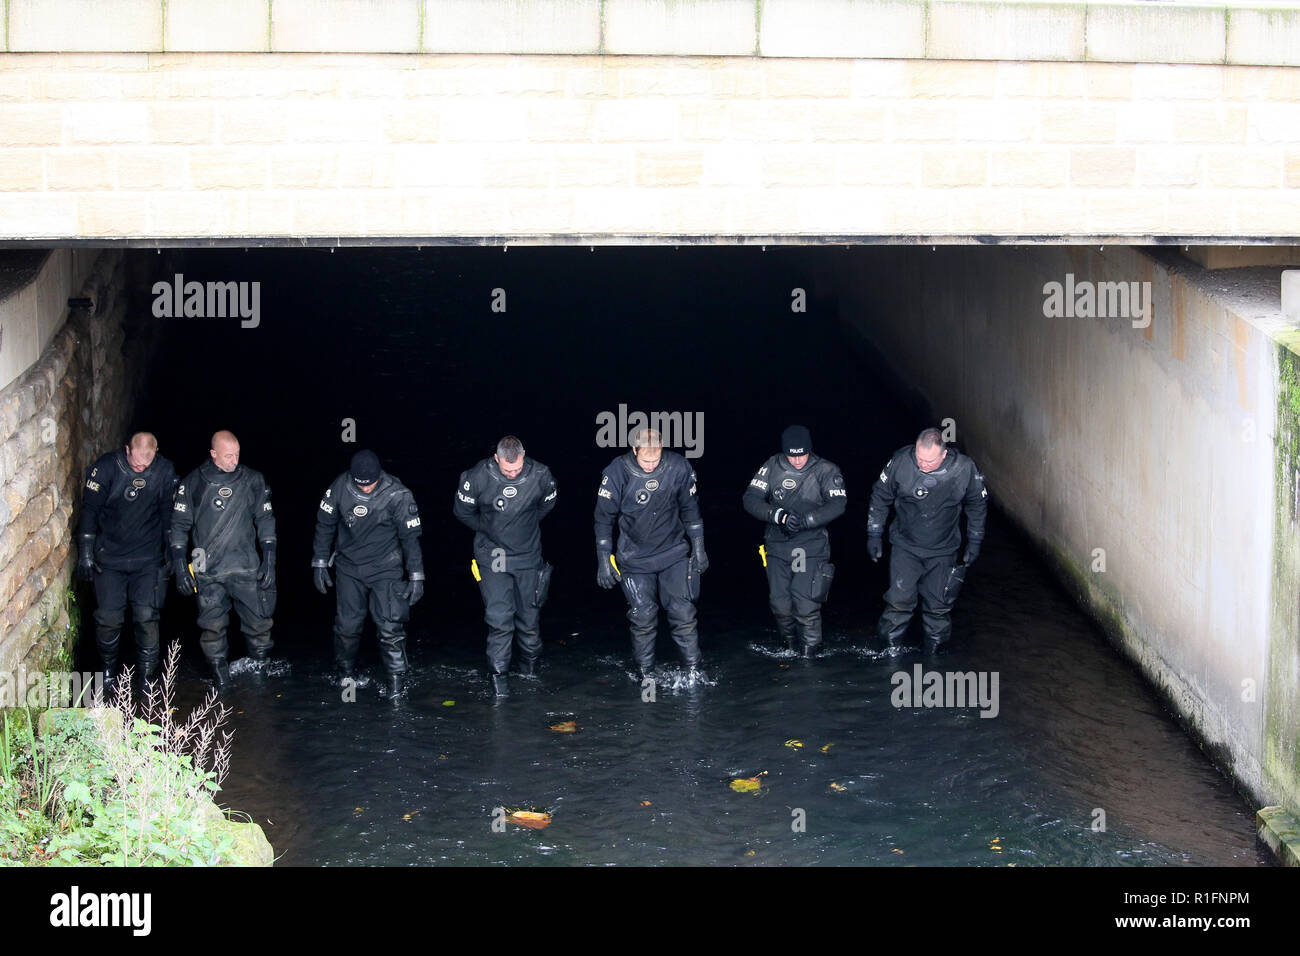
<point>1167,454</point>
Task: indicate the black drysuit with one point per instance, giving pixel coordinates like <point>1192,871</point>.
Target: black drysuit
<point>125,516</point>
<point>799,571</point>
<point>657,512</point>
<point>370,536</point>
<point>925,537</point>
<point>505,515</point>
<point>225,515</point>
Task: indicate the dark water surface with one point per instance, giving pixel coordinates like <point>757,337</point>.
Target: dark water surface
<point>405,343</point>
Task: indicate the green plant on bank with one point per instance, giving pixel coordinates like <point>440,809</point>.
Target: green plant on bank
<point>130,788</point>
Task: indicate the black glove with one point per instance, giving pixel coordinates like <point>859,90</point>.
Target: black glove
<point>606,576</point>
<point>972,552</point>
<point>415,588</point>
<point>321,577</point>
<point>185,583</point>
<point>266,570</point>
<point>86,563</point>
<point>697,552</point>
<point>794,522</point>
<point>875,546</point>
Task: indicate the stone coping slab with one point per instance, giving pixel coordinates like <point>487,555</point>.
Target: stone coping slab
<point>1257,33</point>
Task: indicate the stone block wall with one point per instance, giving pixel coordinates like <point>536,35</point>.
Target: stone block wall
<point>55,419</point>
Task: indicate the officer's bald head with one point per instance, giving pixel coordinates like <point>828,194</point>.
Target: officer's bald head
<point>140,450</point>
<point>930,438</point>
<point>646,438</point>
<point>930,450</point>
<point>225,450</point>
<point>648,448</point>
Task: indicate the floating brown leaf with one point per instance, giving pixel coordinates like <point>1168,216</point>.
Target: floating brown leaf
<point>533,819</point>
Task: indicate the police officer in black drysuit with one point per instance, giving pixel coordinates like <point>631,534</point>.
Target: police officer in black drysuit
<point>660,557</point>
<point>797,494</point>
<point>126,509</point>
<point>503,499</point>
<point>368,526</point>
<point>226,507</point>
<point>928,484</point>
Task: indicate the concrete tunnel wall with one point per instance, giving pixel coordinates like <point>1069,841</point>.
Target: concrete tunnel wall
<point>1163,446</point>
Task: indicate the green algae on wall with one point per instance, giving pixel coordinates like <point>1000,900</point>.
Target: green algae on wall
<point>1281,757</point>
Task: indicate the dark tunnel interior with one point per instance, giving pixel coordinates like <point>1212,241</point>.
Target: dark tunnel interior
<point>406,344</point>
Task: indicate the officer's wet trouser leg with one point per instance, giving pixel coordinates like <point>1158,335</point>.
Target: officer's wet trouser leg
<point>349,618</point>
<point>938,590</point>
<point>779,599</point>
<point>807,608</point>
<point>110,614</point>
<point>214,617</point>
<point>391,611</point>
<point>254,605</point>
<point>527,620</point>
<point>148,591</point>
<point>677,599</point>
<point>641,591</point>
<point>905,571</point>
<point>499,611</point>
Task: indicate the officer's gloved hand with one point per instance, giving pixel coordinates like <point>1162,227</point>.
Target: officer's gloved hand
<point>606,576</point>
<point>697,552</point>
<point>875,546</point>
<point>321,578</point>
<point>972,552</point>
<point>266,570</point>
<point>86,561</point>
<point>415,588</point>
<point>181,572</point>
<point>794,522</point>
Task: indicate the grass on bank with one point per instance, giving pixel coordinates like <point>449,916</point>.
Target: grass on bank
<point>130,787</point>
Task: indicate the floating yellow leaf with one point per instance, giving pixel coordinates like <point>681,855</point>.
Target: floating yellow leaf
<point>565,727</point>
<point>646,803</point>
<point>406,817</point>
<point>837,788</point>
<point>747,784</point>
<point>827,748</point>
<point>896,850</point>
<point>794,744</point>
<point>996,840</point>
<point>449,703</point>
<point>533,819</point>
<point>749,853</point>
